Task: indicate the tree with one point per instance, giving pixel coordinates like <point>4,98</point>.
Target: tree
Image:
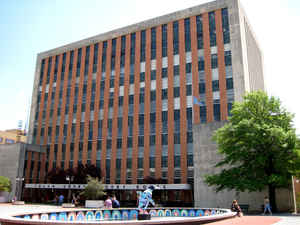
<point>94,189</point>
<point>79,174</point>
<point>5,184</point>
<point>259,148</point>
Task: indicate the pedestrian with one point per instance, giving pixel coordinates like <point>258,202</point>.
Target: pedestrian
<point>267,205</point>
<point>115,202</point>
<point>74,200</point>
<point>61,199</point>
<point>236,208</point>
<point>108,203</point>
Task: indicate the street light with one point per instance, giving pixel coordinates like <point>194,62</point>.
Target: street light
<point>70,179</point>
<point>18,193</point>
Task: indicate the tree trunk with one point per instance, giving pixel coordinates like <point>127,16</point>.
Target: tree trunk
<point>272,197</point>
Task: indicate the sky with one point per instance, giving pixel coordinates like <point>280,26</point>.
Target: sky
<point>33,26</point>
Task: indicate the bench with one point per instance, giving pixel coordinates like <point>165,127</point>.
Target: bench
<point>244,208</point>
<point>68,205</point>
<point>18,203</point>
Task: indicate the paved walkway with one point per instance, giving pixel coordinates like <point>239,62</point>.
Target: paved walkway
<point>277,219</point>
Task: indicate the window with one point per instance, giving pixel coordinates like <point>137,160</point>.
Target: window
<point>190,160</point>
<point>131,79</point>
<point>140,163</point>
<point>189,137</point>
<point>164,161</point>
<point>212,29</point>
<point>176,138</point>
<point>142,76</point>
<point>104,48</point>
<point>121,83</point>
<point>201,88</point>
<point>176,92</point>
<point>164,31</point>
<point>227,56</point>
<point>188,67</point>
<point>203,114</point>
<point>225,26</point>
<point>199,32</point>
<point>131,99</point>
<point>187,34</point>
<point>201,65</point>
<point>153,74</point>
<point>95,59</point>
<point>217,115</point>
<point>164,72</point>
<point>215,85</point>
<point>177,161</point>
<point>175,38</point>
<point>176,70</point>
<point>214,61</point>
<point>153,43</point>
<point>123,47</point>
<point>229,83</point>
<point>141,141</point>
<point>164,94</point>
<point>153,95</point>
<point>164,139</point>
<point>143,46</point>
<point>132,48</point>
<point>188,90</point>
<point>152,140</point>
<point>129,142</point>
<point>142,98</point>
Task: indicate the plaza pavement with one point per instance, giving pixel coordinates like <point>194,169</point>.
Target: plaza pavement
<point>277,219</point>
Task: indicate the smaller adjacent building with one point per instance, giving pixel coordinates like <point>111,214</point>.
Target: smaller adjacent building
<point>12,136</point>
<point>13,162</point>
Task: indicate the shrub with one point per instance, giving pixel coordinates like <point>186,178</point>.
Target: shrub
<point>94,189</point>
<point>5,184</point>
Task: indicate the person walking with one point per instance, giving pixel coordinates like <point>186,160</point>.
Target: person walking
<point>61,199</point>
<point>236,208</point>
<point>267,205</point>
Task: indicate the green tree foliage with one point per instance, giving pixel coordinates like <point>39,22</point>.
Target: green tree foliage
<point>5,184</point>
<point>94,189</point>
<point>259,147</point>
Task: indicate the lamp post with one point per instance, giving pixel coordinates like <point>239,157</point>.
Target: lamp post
<point>69,179</point>
<point>18,193</point>
<point>294,193</point>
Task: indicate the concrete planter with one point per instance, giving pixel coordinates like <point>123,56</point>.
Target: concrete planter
<point>4,196</point>
<point>94,203</point>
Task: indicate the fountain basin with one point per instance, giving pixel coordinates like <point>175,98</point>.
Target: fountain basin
<point>121,216</point>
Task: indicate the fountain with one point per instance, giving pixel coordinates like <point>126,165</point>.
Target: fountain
<point>140,215</point>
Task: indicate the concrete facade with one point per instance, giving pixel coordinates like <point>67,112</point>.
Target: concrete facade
<point>205,157</point>
<point>12,164</point>
<point>247,69</point>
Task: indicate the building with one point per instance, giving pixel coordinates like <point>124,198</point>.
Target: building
<point>12,136</point>
<point>13,164</point>
<point>134,101</point>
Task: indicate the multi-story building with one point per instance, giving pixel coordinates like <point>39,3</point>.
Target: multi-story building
<point>12,136</point>
<point>130,101</point>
